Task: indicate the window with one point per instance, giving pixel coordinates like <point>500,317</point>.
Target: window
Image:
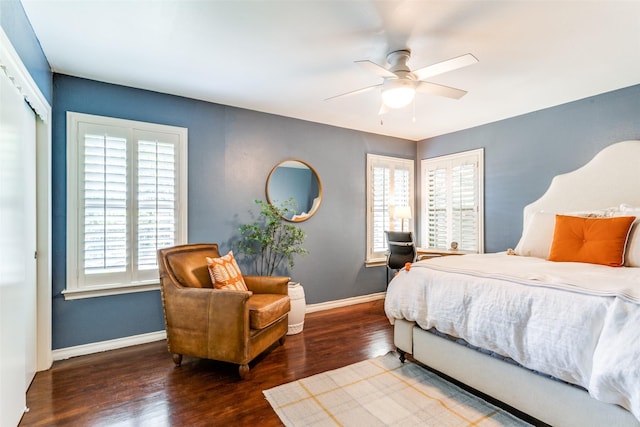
<point>389,185</point>
<point>452,195</point>
<point>126,198</point>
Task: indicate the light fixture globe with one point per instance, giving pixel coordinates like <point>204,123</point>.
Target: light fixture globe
<point>398,93</point>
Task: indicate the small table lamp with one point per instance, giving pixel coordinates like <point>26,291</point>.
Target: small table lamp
<point>402,213</point>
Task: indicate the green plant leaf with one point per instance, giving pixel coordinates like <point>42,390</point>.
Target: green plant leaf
<point>271,241</point>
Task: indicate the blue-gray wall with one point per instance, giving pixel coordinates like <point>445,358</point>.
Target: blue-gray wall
<point>524,153</point>
<point>231,152</point>
<point>17,27</point>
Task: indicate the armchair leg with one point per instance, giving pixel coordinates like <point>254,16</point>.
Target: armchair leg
<point>243,370</point>
<point>177,359</point>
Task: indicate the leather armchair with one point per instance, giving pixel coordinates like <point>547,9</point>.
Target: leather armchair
<point>230,326</point>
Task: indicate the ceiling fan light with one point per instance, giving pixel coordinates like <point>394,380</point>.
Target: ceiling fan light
<point>398,94</point>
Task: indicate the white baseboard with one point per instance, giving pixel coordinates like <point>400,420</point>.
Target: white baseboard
<point>97,347</point>
<point>312,308</point>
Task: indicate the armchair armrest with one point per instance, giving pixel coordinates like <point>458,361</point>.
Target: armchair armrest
<point>196,318</point>
<point>268,284</point>
<point>188,308</point>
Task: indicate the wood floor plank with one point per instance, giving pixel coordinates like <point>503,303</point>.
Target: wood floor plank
<point>139,386</point>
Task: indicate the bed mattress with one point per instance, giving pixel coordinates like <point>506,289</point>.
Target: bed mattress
<point>578,323</point>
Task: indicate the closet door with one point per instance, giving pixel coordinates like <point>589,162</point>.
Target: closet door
<point>17,247</point>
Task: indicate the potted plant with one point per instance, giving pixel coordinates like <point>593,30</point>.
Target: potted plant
<point>271,241</point>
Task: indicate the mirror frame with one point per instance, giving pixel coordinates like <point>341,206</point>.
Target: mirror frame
<point>315,175</point>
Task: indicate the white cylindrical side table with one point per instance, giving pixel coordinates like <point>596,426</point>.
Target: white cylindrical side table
<point>298,308</point>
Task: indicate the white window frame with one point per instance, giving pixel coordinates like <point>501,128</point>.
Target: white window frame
<point>141,280</point>
<point>378,257</point>
<point>448,162</point>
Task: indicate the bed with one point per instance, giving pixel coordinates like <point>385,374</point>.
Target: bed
<point>556,339</point>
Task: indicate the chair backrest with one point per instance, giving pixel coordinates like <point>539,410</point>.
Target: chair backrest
<point>187,264</point>
<point>402,248</point>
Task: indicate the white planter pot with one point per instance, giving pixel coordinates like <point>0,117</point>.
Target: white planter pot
<point>298,308</point>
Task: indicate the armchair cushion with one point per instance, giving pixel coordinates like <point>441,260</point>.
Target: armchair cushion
<point>225,273</point>
<point>265,309</point>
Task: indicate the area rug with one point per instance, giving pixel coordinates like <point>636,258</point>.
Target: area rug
<point>382,392</point>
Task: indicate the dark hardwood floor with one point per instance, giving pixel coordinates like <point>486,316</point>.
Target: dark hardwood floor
<point>139,386</point>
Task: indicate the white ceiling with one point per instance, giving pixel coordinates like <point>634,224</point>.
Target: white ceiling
<point>287,57</point>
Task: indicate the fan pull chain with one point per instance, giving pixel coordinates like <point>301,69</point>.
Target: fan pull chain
<point>414,110</point>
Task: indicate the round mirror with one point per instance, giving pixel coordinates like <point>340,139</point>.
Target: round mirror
<point>296,185</point>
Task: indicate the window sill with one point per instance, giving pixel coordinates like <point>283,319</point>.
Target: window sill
<point>444,252</point>
<point>95,291</point>
<point>375,262</point>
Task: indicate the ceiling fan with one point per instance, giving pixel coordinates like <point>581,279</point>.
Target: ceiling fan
<point>400,83</point>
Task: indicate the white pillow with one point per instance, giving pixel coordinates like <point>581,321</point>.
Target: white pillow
<point>596,213</point>
<point>629,210</point>
<point>537,237</point>
<point>632,252</point>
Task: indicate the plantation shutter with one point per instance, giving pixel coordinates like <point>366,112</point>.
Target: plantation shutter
<point>104,194</point>
<point>464,206</point>
<point>128,208</point>
<point>156,197</point>
<point>381,199</point>
<point>390,182</point>
<point>402,178</point>
<point>452,201</point>
<point>437,208</point>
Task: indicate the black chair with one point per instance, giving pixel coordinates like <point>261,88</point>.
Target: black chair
<point>402,250</point>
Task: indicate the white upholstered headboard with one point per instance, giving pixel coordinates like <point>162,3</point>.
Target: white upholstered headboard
<point>612,177</point>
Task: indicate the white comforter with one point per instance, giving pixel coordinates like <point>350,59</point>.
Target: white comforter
<point>577,322</point>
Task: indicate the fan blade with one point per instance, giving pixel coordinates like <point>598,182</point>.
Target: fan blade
<point>383,109</point>
<point>355,92</point>
<point>440,90</point>
<point>375,68</point>
<point>445,66</point>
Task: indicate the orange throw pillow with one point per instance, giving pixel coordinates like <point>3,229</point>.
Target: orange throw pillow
<point>590,240</point>
<point>225,273</point>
